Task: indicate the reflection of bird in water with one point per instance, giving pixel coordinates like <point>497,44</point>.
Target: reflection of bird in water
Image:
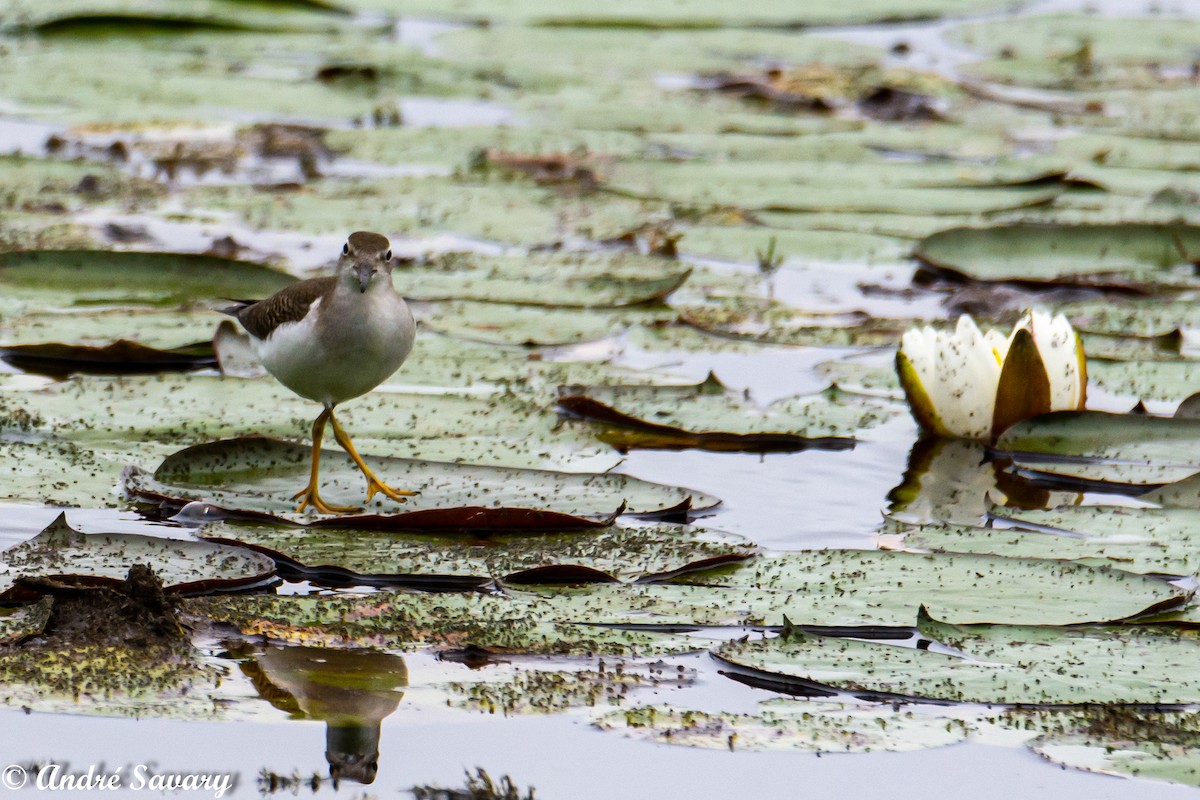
<point>350,690</point>
<point>332,339</point>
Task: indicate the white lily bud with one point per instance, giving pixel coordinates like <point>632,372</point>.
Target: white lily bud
<point>968,384</point>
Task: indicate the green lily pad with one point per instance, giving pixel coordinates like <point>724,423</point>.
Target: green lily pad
<point>884,588</point>
<point>1126,449</point>
<point>711,417</point>
<point>1002,665</point>
<point>118,680</point>
<point>1121,256</point>
<point>690,15</point>
<point>750,319</point>
<point>819,187</point>
<point>92,277</point>
<point>503,211</point>
<point>1132,316</point>
<point>22,622</point>
<point>1143,540</point>
<point>531,326</point>
<point>1163,746</point>
<point>407,621</point>
<point>540,691</point>
<point>185,567</point>
<point>256,475</point>
<point>141,418</point>
<point>1147,380</point>
<point>64,17</point>
<point>785,724</point>
<point>742,243</point>
<point>583,280</point>
<point>1079,51</point>
<point>644,552</point>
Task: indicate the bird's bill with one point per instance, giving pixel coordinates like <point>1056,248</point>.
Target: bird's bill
<point>363,271</point>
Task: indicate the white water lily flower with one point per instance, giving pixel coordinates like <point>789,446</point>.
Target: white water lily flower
<point>972,385</point>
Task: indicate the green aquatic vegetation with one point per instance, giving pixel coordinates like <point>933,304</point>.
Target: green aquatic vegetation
<point>185,566</point>
<point>994,664</point>
<point>787,724</point>
<point>627,553</point>
<point>251,474</point>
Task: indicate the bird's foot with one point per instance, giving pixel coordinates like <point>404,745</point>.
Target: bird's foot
<point>376,486</point>
<point>309,498</point>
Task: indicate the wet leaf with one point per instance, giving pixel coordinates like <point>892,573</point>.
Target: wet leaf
<point>575,280</point>
<point>1144,540</point>
<point>786,724</point>
<point>1130,449</point>
<point>90,559</point>
<point>1131,256</point>
<point>255,476</point>
<point>1163,746</point>
<point>880,588</point>
<point>408,621</point>
<point>1002,665</point>
<point>709,416</point>
<point>89,277</point>
<point>532,556</point>
<point>22,622</point>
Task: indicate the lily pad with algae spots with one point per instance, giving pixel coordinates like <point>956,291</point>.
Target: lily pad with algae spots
<point>140,418</point>
<point>531,326</point>
<point>1125,256</point>
<point>571,280</point>
<point>541,691</point>
<point>786,724</point>
<point>886,588</point>
<point>185,566</point>
<point>408,621</point>
<point>254,476</point>
<point>21,622</point>
<point>869,188</point>
<point>750,319</point>
<point>996,664</point>
<point>1082,447</point>
<point>84,17</point>
<point>710,416</point>
<point>1160,746</point>
<point>65,278</point>
<point>1158,541</point>
<point>1172,380</point>
<point>690,15</point>
<point>643,552</point>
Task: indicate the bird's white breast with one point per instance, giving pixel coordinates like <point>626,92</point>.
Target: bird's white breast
<point>347,344</point>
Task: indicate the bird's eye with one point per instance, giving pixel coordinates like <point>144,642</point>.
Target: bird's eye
<point>387,256</point>
<point>346,249</point>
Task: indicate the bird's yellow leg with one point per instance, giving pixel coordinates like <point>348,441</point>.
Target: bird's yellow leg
<point>308,496</point>
<point>373,483</point>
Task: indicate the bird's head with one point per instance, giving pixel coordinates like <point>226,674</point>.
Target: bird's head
<point>365,257</point>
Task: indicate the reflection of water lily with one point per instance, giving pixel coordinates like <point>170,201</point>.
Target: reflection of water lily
<point>968,384</point>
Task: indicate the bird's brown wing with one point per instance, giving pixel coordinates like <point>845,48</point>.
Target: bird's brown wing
<point>287,305</point>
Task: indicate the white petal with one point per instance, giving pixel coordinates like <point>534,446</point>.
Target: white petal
<point>1057,344</point>
<point>962,385</point>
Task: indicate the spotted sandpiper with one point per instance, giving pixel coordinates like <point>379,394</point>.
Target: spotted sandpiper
<point>333,339</point>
